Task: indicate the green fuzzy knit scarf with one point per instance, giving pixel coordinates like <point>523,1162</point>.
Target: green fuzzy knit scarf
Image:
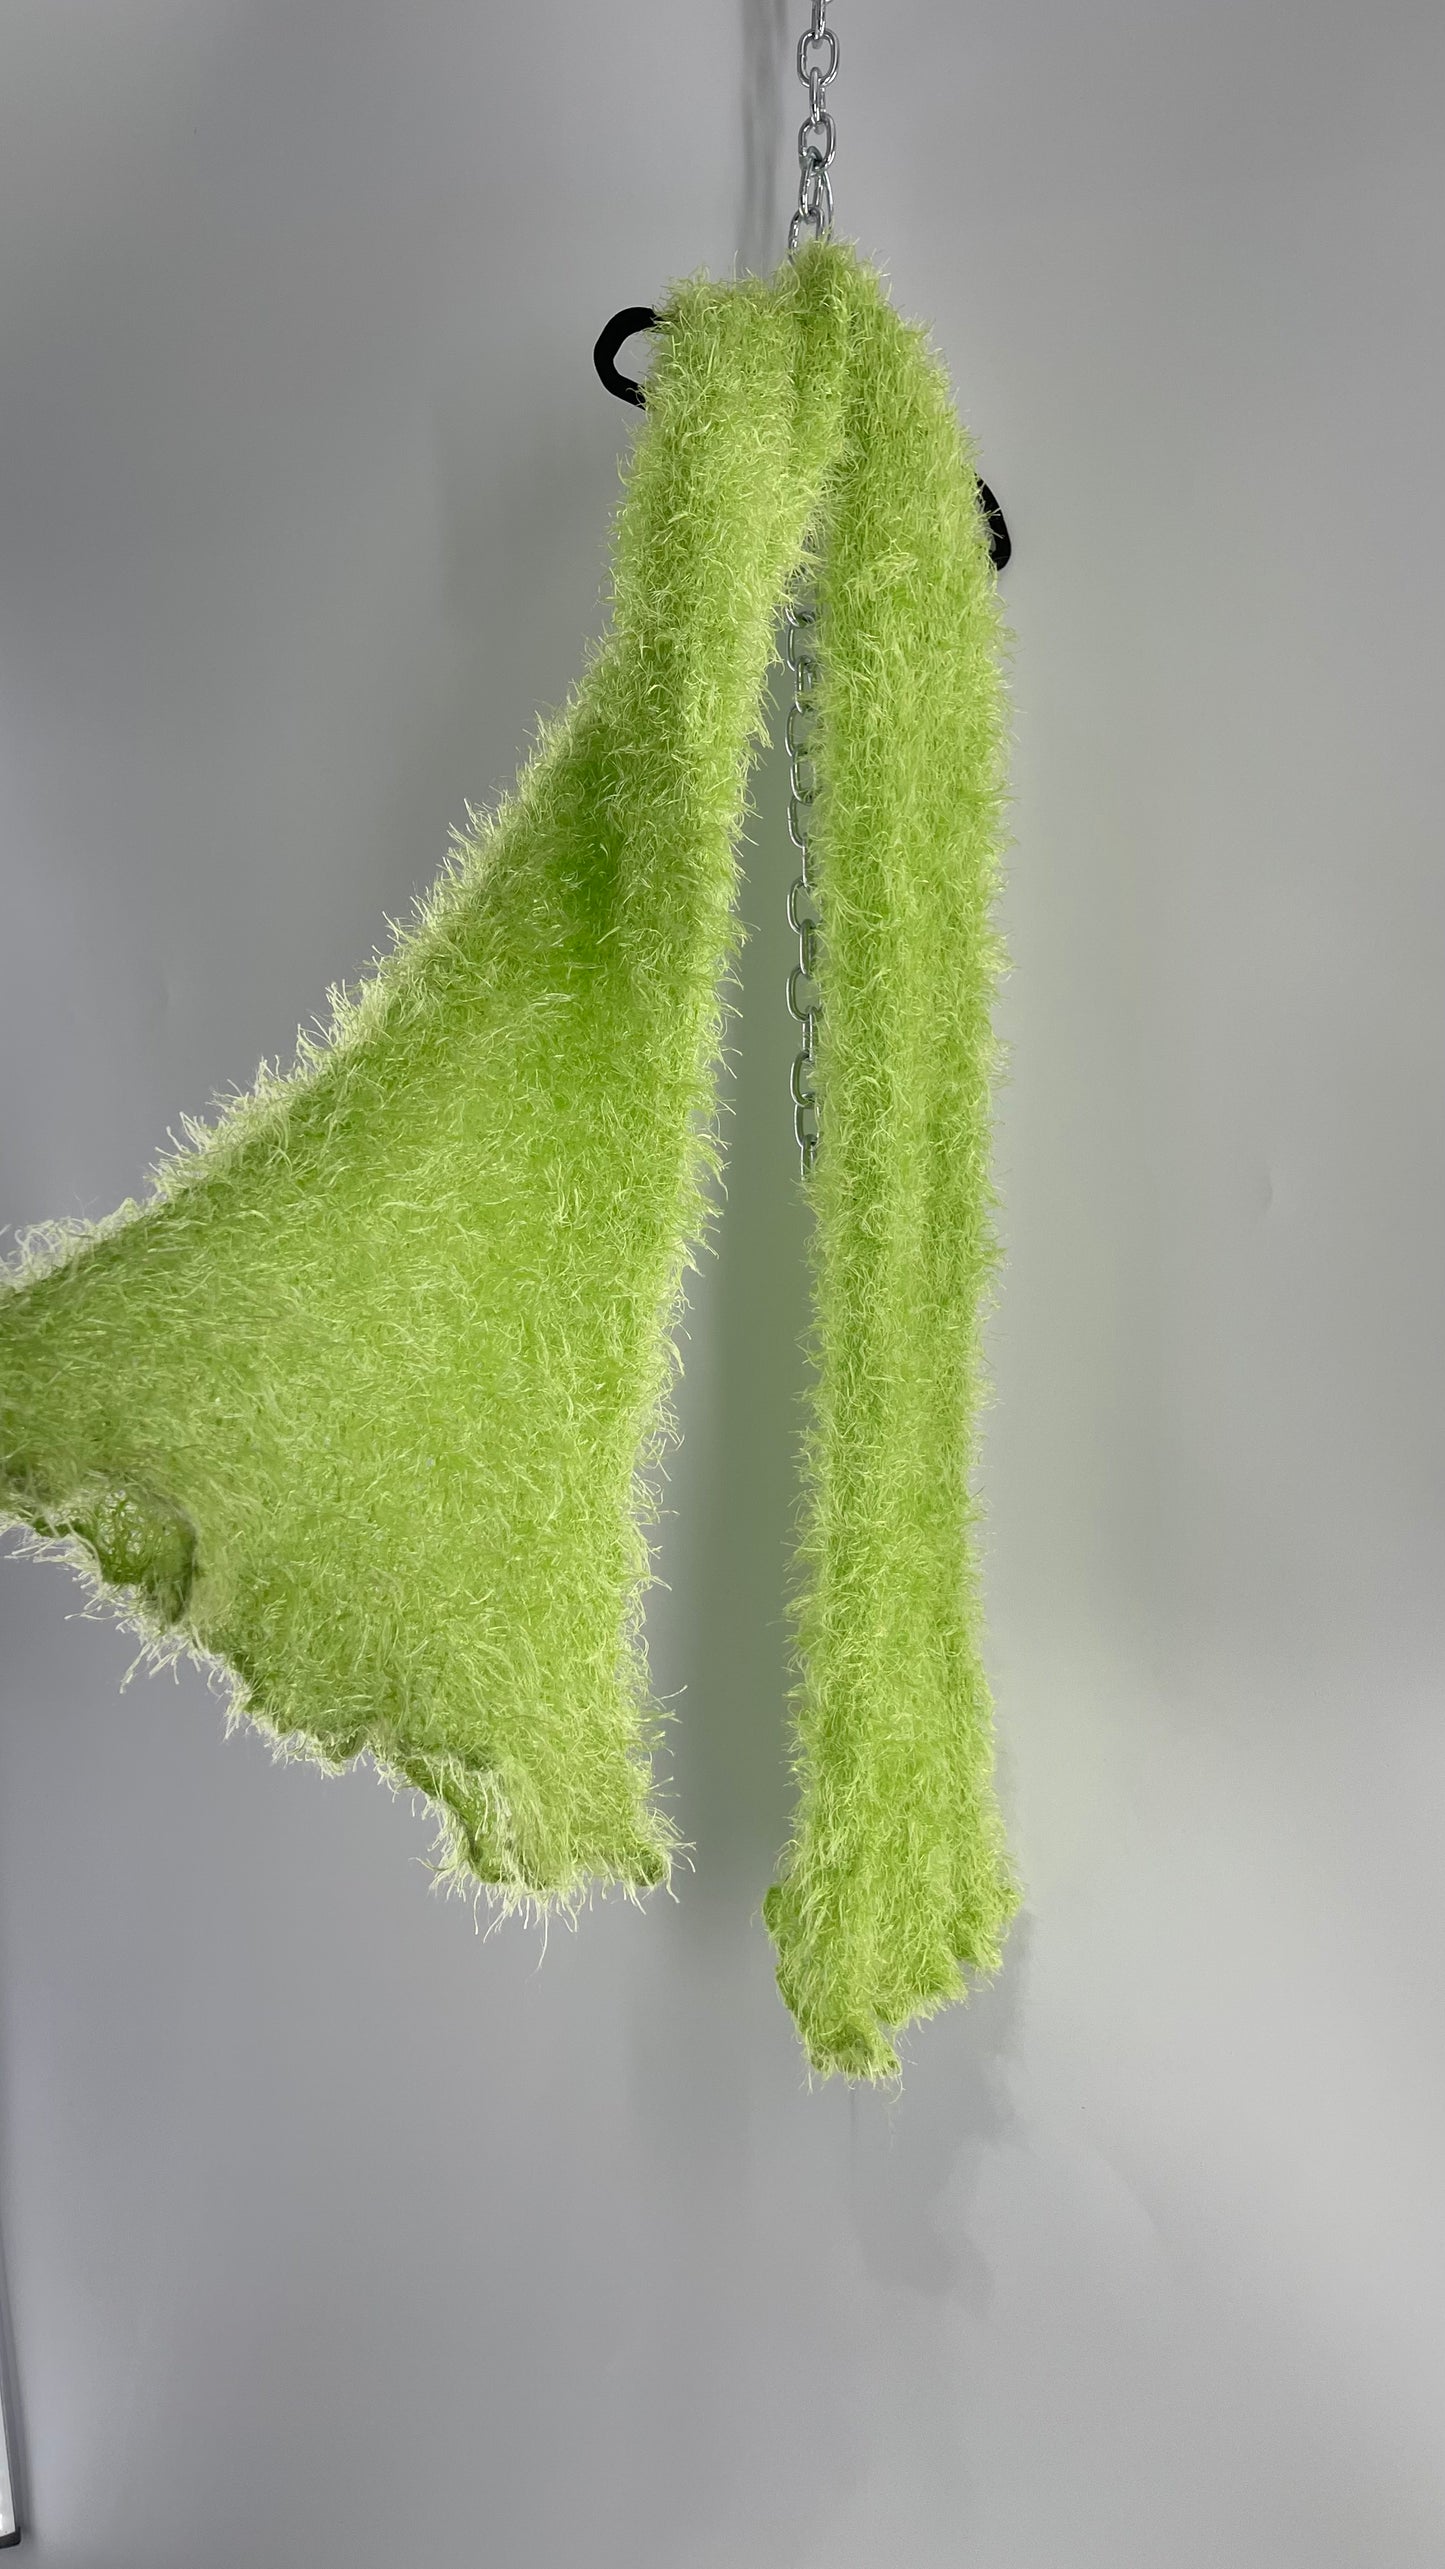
<point>362,1404</point>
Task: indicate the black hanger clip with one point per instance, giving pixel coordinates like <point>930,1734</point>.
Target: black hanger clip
<point>622,326</point>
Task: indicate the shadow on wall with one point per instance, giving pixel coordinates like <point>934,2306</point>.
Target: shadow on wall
<point>763,212</point>
<point>730,1749</point>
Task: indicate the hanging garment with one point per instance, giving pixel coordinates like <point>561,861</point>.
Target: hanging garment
<point>362,1404</point>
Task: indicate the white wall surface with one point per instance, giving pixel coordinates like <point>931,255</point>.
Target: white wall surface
<point>336,2234</point>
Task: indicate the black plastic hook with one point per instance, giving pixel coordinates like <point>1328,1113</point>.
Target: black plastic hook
<point>623,325</point>
<point>640,316</point>
<point>1000,542</point>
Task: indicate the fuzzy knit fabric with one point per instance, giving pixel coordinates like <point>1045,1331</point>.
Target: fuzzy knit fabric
<point>363,1405</point>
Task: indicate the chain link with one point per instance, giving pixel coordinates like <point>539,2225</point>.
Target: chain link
<point>804,997</point>
<point>817,60</point>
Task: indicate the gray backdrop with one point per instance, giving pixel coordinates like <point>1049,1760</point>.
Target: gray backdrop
<point>335,2233</point>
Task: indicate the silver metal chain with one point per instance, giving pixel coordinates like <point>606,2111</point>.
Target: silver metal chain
<point>817,138</point>
<point>804,995</point>
<point>817,142</point>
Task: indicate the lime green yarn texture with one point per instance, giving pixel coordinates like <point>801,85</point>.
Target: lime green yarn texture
<point>898,1876</point>
<point>366,1403</point>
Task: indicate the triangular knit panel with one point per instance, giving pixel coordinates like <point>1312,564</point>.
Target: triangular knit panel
<point>364,1404</point>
